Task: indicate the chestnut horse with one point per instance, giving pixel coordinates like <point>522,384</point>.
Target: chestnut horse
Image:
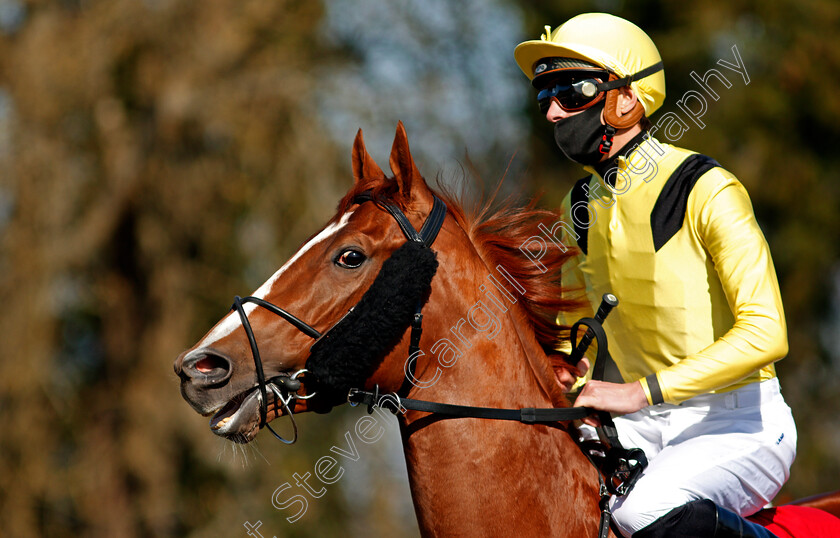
<point>487,321</point>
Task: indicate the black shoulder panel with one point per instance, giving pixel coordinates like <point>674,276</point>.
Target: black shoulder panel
<point>668,213</point>
<point>579,195</point>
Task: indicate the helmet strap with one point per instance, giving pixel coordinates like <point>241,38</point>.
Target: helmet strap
<point>611,115</point>
<point>607,139</point>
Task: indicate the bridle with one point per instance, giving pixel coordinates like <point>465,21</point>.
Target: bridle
<point>285,387</point>
<point>622,467</point>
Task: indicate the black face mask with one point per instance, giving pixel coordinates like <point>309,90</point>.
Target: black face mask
<point>580,136</point>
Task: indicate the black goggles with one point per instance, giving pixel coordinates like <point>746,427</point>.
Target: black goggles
<point>573,93</point>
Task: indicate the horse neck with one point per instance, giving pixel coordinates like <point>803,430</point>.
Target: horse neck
<point>459,467</point>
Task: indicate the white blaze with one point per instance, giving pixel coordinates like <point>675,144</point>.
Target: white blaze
<point>231,322</point>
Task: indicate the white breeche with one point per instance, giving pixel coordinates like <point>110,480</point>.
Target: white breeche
<point>734,448</point>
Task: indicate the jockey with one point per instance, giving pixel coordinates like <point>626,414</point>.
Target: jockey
<point>673,235</point>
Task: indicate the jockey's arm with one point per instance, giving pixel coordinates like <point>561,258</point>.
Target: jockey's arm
<point>741,256</point>
<point>727,227</point>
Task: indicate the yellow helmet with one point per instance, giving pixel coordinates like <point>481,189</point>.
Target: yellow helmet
<point>605,40</point>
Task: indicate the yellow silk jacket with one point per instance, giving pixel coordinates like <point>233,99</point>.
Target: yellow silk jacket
<point>673,235</point>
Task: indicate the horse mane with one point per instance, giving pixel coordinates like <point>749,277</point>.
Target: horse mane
<point>497,230</point>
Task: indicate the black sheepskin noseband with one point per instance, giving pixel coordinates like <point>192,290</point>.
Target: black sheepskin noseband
<point>346,355</point>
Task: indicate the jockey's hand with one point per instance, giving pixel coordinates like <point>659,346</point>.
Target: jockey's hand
<point>567,377</point>
<point>620,398</point>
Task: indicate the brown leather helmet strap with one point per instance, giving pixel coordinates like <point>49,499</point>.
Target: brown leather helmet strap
<point>611,115</point>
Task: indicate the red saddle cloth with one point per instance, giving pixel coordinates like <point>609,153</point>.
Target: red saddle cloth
<point>791,521</point>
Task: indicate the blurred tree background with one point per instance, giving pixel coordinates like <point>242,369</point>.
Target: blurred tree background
<point>159,156</point>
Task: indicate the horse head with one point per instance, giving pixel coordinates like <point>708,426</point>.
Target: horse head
<point>335,316</point>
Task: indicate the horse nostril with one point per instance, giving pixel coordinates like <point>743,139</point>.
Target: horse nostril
<point>208,364</point>
<point>206,367</point>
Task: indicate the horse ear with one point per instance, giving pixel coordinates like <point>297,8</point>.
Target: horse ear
<point>404,169</point>
<point>364,167</point>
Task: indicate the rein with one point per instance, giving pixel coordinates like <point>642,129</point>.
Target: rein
<point>527,415</point>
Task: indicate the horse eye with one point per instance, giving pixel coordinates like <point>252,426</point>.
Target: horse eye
<point>350,259</point>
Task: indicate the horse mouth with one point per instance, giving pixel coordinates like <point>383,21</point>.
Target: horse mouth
<point>238,417</point>
<point>238,420</point>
